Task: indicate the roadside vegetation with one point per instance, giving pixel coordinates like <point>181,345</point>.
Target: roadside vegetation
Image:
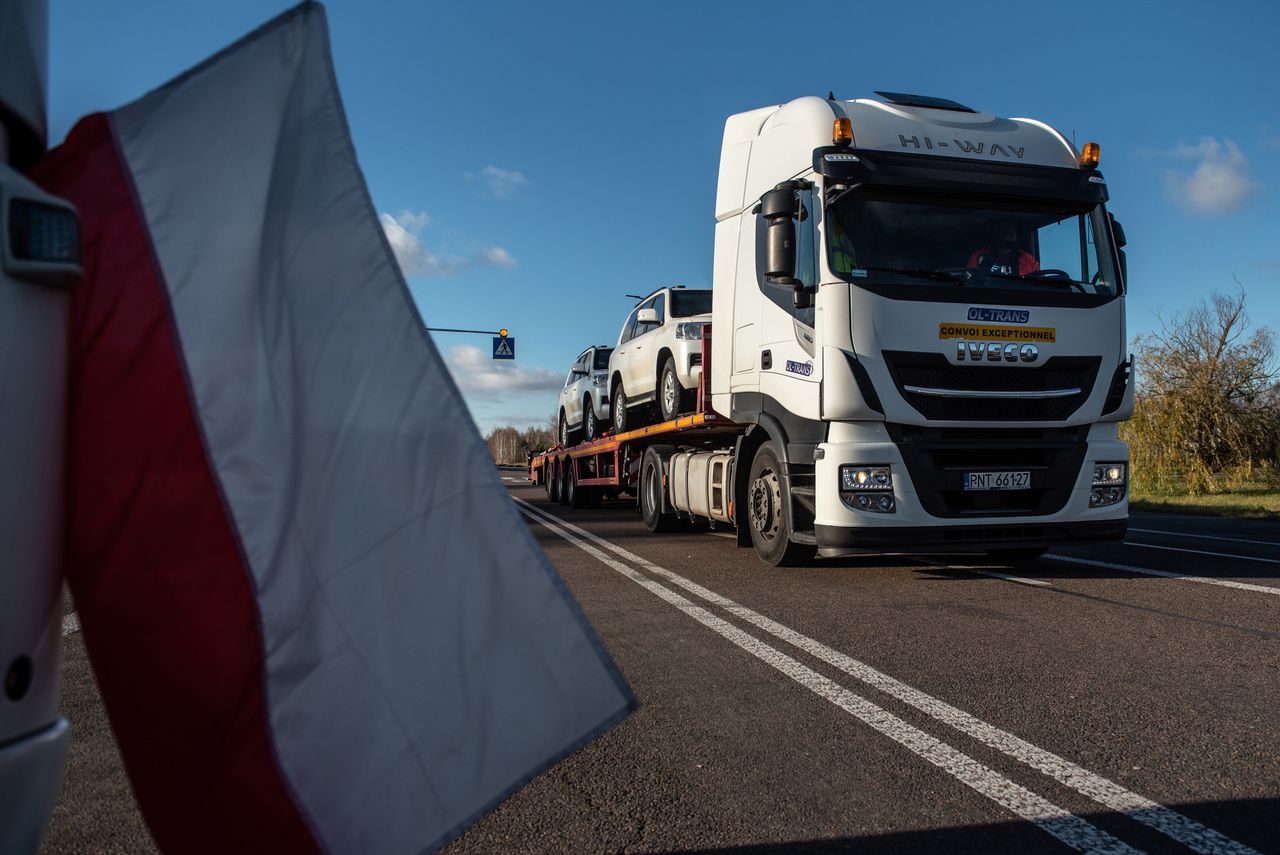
<point>509,445</point>
<point>1205,432</point>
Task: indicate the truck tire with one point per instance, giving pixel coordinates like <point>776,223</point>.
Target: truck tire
<point>769,512</point>
<point>549,476</point>
<point>575,496</point>
<point>562,480</point>
<point>650,489</point>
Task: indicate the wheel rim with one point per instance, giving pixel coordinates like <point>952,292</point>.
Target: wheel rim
<point>619,407</point>
<point>670,395</point>
<point>651,491</point>
<point>591,421</point>
<point>765,503</point>
<point>564,432</point>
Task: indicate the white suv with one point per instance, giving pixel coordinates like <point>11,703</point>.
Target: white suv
<point>658,358</point>
<point>584,401</point>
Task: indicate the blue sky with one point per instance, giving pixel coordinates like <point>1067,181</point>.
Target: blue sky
<point>536,162</point>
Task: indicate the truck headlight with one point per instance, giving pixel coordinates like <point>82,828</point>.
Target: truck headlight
<point>1108,484</point>
<point>689,331</point>
<point>868,488</point>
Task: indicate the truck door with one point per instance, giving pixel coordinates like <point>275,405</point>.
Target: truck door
<point>789,371</point>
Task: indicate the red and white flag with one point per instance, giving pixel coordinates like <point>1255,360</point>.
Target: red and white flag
<point>317,621</point>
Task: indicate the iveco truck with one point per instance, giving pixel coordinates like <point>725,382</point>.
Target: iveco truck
<point>917,342</point>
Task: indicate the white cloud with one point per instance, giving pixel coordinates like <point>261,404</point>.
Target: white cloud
<point>1219,183</point>
<point>483,378</point>
<point>403,233</point>
<point>501,182</point>
<point>498,257</point>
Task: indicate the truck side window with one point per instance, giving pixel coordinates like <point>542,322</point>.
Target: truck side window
<point>806,261</point>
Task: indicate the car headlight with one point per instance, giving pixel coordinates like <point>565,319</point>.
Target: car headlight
<point>599,380</point>
<point>689,331</point>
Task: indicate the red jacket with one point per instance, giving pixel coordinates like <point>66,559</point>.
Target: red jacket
<point>1026,261</point>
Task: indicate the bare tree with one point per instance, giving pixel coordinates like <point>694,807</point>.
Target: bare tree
<point>1207,402</point>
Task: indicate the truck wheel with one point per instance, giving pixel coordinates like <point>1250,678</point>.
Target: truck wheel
<point>619,410</point>
<point>575,496</point>
<point>1016,556</point>
<point>553,481</point>
<point>769,513</point>
<point>590,430</point>
<point>671,395</point>
<point>562,480</point>
<point>651,489</point>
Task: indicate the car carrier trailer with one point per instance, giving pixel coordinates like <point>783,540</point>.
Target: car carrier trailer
<point>920,343</point>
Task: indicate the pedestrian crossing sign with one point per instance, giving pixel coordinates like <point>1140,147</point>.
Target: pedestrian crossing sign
<point>503,347</point>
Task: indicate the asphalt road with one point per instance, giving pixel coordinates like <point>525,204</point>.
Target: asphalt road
<point>1108,699</point>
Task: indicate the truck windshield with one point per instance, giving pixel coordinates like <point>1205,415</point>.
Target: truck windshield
<point>909,242</point>
<point>686,303</point>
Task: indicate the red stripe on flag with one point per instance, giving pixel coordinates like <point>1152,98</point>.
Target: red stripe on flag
<point>165,598</point>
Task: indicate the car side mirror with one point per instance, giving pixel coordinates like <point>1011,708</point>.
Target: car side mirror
<point>647,316</point>
<point>580,372</point>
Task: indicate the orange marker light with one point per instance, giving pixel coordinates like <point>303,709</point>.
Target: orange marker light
<point>502,333</point>
<point>842,132</point>
<point>1089,157</point>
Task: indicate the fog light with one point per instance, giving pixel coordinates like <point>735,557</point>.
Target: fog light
<point>886,503</point>
<point>864,501</point>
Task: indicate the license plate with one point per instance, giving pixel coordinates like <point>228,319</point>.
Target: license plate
<point>997,480</point>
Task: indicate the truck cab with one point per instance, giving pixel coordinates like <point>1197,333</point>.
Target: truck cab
<point>919,316</point>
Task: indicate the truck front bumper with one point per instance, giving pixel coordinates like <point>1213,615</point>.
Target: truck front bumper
<point>931,512</point>
<point>30,775</point>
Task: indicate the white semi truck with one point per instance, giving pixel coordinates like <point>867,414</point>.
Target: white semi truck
<point>917,342</point>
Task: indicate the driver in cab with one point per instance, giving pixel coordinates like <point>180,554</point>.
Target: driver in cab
<point>1001,255</point>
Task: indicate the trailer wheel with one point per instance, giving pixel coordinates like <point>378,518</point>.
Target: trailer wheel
<point>549,475</point>
<point>769,513</point>
<point>650,488</point>
<point>575,496</point>
<point>562,480</point>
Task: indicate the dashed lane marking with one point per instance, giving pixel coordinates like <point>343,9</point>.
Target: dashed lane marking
<point>1147,571</point>
<point>1205,536</point>
<point>1190,833</point>
<point>1065,826</point>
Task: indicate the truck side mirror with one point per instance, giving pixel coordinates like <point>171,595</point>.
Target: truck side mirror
<point>779,209</point>
<point>1117,232</point>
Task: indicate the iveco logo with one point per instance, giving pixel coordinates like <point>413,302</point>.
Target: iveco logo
<point>996,351</point>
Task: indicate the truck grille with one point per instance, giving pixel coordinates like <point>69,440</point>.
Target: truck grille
<point>933,371</point>
<point>937,458</point>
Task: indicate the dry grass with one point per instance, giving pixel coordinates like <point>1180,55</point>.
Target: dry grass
<point>1256,501</point>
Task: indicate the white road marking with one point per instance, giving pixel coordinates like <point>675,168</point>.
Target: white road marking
<point>1065,826</point>
<point>1187,831</point>
<point>70,623</point>
<point>1202,552</point>
<point>1020,580</point>
<point>1205,536</point>
<point>722,533</point>
<point>1147,571</point>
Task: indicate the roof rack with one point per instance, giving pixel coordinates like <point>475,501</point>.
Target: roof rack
<point>905,100</point>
